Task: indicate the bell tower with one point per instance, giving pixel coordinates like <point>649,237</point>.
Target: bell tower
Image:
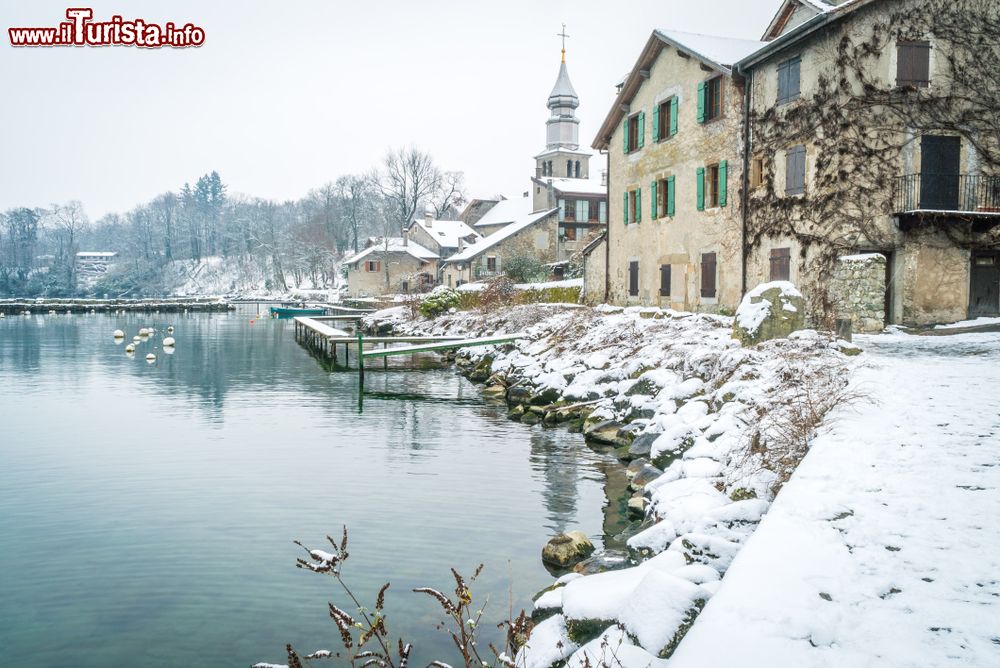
<point>562,157</point>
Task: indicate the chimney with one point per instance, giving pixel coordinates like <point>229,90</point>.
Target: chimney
<point>406,237</point>
<point>461,244</point>
<point>604,177</point>
<point>429,217</point>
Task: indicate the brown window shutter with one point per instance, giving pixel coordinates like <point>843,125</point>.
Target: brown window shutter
<point>633,278</point>
<point>708,275</point>
<point>664,280</point>
<point>780,264</point>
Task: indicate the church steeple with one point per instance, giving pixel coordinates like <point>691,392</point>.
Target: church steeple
<point>562,156</point>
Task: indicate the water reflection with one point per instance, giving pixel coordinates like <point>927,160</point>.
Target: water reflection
<point>170,492</point>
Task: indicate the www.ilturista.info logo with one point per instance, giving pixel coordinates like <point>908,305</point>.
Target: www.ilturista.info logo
<point>80,30</point>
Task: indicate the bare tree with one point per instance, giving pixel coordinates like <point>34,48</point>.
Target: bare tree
<point>449,196</point>
<point>406,178</point>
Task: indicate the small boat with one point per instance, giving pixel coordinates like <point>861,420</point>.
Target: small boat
<point>291,311</point>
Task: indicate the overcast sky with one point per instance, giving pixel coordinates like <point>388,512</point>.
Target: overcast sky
<point>285,96</point>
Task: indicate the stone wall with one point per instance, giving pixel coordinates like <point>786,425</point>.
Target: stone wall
<point>594,272</point>
<point>857,289</point>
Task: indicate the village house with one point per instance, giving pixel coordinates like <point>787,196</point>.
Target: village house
<point>534,235</point>
<point>503,213</point>
<point>869,132</point>
<point>395,265</point>
<point>675,165</point>
<point>442,237</point>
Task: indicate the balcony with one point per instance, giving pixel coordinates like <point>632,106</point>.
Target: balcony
<point>929,193</point>
<point>482,273</point>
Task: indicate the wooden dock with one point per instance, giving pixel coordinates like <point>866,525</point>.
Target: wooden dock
<point>315,334</point>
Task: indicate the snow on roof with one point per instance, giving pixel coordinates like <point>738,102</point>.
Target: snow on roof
<point>96,254</point>
<point>506,211</point>
<point>578,186</point>
<point>396,245</point>
<point>486,243</point>
<point>445,232</point>
<point>722,51</point>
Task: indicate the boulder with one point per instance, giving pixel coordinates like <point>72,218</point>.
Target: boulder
<point>769,311</point>
<point>519,394</point>
<point>644,476</point>
<point>495,392</point>
<point>483,370</point>
<point>641,445</point>
<point>637,506</point>
<point>567,549</point>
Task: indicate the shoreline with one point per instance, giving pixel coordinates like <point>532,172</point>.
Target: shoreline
<point>691,416</point>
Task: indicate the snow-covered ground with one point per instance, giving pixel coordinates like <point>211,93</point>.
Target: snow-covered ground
<point>695,411</point>
<point>884,548</point>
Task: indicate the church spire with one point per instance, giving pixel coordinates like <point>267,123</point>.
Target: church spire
<point>564,36</point>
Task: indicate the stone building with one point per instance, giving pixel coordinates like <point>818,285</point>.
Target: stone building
<point>534,235</point>
<point>674,169</point>
<point>395,265</point>
<point>867,133</point>
<point>442,237</point>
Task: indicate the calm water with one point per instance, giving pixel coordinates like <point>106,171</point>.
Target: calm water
<point>147,511</point>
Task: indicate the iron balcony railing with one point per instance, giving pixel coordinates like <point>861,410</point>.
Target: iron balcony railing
<point>481,272</point>
<point>946,192</point>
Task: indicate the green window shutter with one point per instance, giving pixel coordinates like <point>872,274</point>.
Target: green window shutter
<point>625,134</point>
<point>723,181</point>
<point>673,116</point>
<point>642,128</point>
<point>638,205</point>
<point>656,123</point>
<point>670,196</point>
<point>701,102</point>
<point>626,207</point>
<point>652,201</point>
<point>700,176</point>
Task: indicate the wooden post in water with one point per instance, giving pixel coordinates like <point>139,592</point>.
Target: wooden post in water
<point>361,362</point>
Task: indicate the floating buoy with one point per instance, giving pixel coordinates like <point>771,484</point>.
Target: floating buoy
<point>150,358</point>
<point>2,316</point>
<point>137,338</point>
<point>52,311</point>
<point>170,329</point>
<point>130,348</point>
<point>119,334</point>
<point>168,342</point>
<point>169,350</point>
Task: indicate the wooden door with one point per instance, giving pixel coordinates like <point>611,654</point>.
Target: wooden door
<point>984,291</point>
<point>939,172</point>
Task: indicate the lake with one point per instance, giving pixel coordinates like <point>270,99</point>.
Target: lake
<point>147,511</point>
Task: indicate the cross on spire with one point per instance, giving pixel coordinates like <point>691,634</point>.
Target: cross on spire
<point>564,36</point>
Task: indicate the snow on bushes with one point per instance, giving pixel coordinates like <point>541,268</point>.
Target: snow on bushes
<point>440,300</point>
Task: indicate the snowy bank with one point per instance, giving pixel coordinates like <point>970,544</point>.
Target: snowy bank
<point>882,550</point>
<point>711,430</point>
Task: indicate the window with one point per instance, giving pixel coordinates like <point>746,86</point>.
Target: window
<point>582,210</point>
<point>795,170</point>
<point>756,172</point>
<point>373,266</point>
<point>406,287</point>
<point>569,168</point>
<point>710,99</point>
<point>913,64</point>
<point>549,163</point>
<point>635,206</point>
<point>788,80</point>
<point>491,263</point>
<point>781,260</point>
<point>664,280</point>
<point>662,198</point>
<point>633,278</point>
<point>712,186</point>
<point>562,210</point>
<point>634,128</point>
<point>708,275</point>
<point>569,233</point>
<point>665,119</point>
<point>576,169</point>
<point>602,212</point>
